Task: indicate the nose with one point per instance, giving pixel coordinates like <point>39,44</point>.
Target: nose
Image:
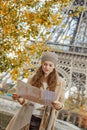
<point>47,66</point>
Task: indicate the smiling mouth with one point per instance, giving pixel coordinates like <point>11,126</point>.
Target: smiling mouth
<point>46,70</point>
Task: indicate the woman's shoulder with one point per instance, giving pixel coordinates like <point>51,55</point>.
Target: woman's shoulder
<point>30,77</point>
<point>62,81</point>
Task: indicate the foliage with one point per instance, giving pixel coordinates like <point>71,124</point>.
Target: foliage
<point>22,21</point>
<point>76,102</point>
<point>23,60</point>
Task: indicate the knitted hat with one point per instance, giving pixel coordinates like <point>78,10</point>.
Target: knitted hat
<point>50,56</point>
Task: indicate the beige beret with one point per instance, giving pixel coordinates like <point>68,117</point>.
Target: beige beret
<point>50,56</point>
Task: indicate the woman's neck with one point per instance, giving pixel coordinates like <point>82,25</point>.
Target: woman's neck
<point>45,79</point>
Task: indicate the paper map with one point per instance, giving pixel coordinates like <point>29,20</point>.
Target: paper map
<point>34,94</point>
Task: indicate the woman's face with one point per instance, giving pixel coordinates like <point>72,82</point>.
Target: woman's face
<point>47,67</point>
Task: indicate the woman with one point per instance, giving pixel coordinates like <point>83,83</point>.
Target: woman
<point>45,78</point>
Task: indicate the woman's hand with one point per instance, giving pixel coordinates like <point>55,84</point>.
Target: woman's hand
<point>15,96</point>
<point>21,100</point>
<point>18,98</point>
<point>57,105</point>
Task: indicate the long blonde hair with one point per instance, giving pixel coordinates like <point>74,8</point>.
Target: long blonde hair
<point>52,79</point>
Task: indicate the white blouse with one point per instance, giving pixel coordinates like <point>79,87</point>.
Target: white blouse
<point>37,107</point>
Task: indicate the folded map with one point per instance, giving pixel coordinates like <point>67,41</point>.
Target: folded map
<point>35,94</point>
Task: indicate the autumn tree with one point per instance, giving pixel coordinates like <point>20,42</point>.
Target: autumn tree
<point>76,102</point>
<point>24,21</point>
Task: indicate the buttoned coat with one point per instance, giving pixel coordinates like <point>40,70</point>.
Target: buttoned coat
<point>21,119</point>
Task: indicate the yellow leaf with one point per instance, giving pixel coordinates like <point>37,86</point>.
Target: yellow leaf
<point>38,20</point>
<point>5,4</point>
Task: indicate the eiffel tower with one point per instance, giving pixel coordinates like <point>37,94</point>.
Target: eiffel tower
<point>69,40</point>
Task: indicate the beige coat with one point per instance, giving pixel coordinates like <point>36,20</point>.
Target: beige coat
<point>49,117</point>
<point>23,116</point>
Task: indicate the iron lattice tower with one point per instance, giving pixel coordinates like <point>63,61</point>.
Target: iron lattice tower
<point>69,40</point>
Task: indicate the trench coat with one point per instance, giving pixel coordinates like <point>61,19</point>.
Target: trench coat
<point>21,119</point>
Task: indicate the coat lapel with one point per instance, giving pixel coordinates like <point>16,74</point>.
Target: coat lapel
<point>49,114</point>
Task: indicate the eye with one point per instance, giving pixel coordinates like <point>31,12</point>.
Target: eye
<point>50,65</point>
<point>45,64</point>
